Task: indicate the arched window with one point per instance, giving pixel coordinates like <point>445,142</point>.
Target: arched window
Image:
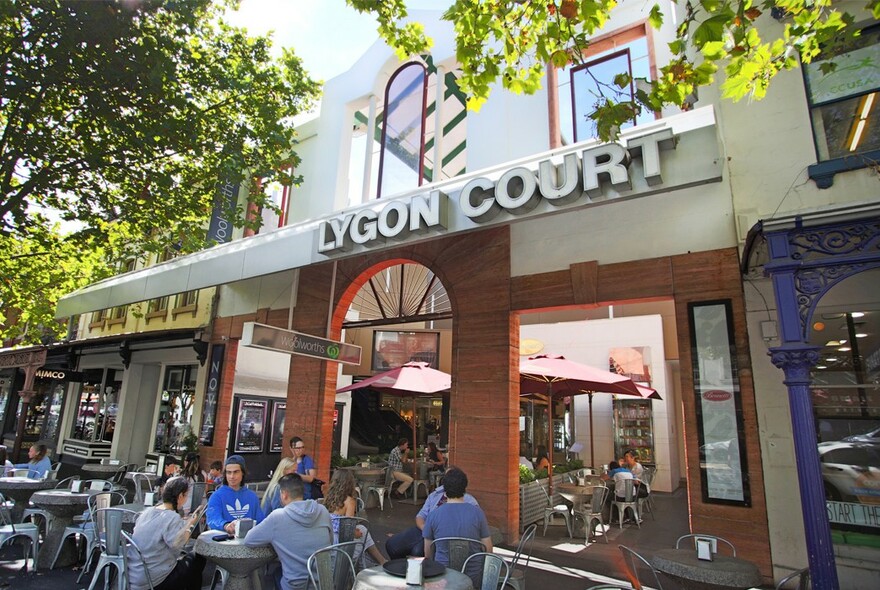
<point>401,160</point>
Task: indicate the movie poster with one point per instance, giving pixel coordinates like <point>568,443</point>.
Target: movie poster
<point>249,427</point>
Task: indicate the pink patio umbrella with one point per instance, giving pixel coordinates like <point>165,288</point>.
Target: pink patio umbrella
<point>414,379</point>
<point>556,376</point>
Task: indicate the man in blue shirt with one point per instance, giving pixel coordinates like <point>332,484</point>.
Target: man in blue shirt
<point>232,501</point>
<point>410,541</point>
<point>457,518</point>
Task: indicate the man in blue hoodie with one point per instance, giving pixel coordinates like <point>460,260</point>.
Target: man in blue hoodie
<point>232,501</point>
<point>297,530</point>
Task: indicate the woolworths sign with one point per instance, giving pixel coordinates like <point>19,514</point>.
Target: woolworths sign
<point>271,338</point>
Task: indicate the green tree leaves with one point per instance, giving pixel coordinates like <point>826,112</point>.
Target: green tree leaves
<point>123,117</point>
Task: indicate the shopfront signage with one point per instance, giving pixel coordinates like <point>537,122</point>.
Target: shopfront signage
<point>60,375</point>
<point>280,340</point>
<point>578,177</point>
<point>853,514</point>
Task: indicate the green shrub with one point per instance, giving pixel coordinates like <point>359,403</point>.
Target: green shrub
<point>525,474</point>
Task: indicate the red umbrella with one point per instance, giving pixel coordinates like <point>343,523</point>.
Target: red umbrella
<point>414,379</point>
<point>555,375</point>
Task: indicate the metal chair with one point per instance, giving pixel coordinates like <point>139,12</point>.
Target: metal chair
<point>493,566</point>
<point>98,485</point>
<point>802,577</point>
<point>592,512</point>
<point>383,491</point>
<point>631,502</point>
<point>331,568</point>
<point>715,542</point>
<point>89,529</point>
<point>347,526</point>
<point>10,531</point>
<point>126,556</point>
<point>458,549</point>
<point>142,484</point>
<point>52,474</point>
<point>550,510</point>
<point>517,577</point>
<point>108,531</point>
<point>634,565</point>
<point>609,587</point>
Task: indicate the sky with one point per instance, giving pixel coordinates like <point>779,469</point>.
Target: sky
<point>327,35</point>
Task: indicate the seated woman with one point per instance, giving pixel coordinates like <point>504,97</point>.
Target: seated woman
<point>39,464</point>
<point>272,495</point>
<point>542,462</point>
<point>340,501</point>
<point>160,534</point>
<point>436,458</point>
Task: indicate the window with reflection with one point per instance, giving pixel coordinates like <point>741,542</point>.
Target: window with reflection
<point>401,163</point>
<point>844,105</point>
<point>846,406</point>
<point>175,408</point>
<point>97,405</point>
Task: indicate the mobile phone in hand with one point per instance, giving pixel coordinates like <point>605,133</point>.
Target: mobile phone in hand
<point>221,537</point>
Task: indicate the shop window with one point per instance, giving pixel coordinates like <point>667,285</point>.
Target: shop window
<point>176,409</point>
<point>396,151</point>
<point>97,318</point>
<point>579,88</point>
<point>117,315</point>
<point>844,105</point>
<point>97,405</point>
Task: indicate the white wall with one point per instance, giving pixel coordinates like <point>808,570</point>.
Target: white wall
<point>261,372</point>
<point>589,342</point>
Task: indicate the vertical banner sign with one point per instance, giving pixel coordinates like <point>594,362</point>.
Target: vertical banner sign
<point>249,426</point>
<point>718,404</point>
<point>212,394</point>
<point>220,229</point>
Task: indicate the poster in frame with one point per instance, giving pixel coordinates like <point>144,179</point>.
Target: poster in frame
<point>395,348</point>
<point>276,440</point>
<point>720,427</point>
<point>250,425</point>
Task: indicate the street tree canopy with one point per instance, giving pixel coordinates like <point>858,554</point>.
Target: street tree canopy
<point>514,41</point>
<point>118,119</point>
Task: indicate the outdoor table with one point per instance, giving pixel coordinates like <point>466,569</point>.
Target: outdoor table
<point>376,578</point>
<point>63,505</point>
<point>100,470</point>
<point>20,489</point>
<point>573,488</point>
<point>723,572</point>
<point>367,477</point>
<point>239,560</point>
<point>128,481</point>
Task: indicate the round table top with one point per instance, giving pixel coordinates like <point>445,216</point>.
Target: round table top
<point>26,483</point>
<point>723,570</point>
<point>376,578</point>
<point>101,468</point>
<point>573,488</point>
<point>60,497</point>
<point>233,548</point>
<point>151,476</point>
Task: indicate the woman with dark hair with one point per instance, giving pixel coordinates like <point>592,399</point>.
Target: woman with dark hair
<point>542,462</point>
<point>339,501</point>
<point>436,458</point>
<point>39,464</point>
<point>160,534</point>
<point>191,473</point>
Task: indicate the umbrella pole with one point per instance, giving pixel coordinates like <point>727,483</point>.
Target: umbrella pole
<point>550,436</point>
<point>592,454</point>
<point>415,444</point>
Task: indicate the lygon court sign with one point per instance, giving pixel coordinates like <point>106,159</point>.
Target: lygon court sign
<point>518,191</point>
<point>271,338</point>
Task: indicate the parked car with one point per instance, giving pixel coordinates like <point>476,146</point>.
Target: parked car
<point>851,471</point>
<point>869,437</point>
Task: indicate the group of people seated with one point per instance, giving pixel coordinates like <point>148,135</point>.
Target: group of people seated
<point>397,457</point>
<point>289,519</point>
<point>627,467</point>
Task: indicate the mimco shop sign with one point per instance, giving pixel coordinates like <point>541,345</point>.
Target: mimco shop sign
<point>644,165</point>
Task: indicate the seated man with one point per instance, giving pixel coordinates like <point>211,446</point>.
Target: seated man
<point>619,475</point>
<point>295,531</point>
<point>632,463</point>
<point>410,541</point>
<point>395,464</point>
<point>232,501</point>
<point>457,518</point>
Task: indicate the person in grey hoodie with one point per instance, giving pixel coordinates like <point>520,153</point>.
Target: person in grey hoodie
<point>297,530</point>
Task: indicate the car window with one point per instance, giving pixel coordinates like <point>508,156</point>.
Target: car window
<point>862,456</point>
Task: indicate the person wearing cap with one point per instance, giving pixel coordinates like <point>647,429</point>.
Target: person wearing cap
<point>232,501</point>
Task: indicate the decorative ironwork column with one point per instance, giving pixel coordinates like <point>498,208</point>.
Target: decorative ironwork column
<point>796,361</point>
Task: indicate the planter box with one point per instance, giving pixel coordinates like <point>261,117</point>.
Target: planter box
<point>532,500</point>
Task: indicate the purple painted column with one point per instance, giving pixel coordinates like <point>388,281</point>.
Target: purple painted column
<point>796,360</point>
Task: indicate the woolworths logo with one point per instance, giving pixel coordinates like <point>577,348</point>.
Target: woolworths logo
<point>333,351</point>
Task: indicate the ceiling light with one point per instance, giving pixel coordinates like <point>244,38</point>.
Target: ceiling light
<point>844,349</point>
<point>831,359</point>
<point>842,341</point>
<point>834,343</point>
<point>867,103</point>
<point>861,335</point>
<point>857,314</point>
<point>821,367</point>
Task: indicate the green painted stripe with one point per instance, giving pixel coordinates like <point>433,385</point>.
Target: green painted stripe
<point>451,155</point>
<point>454,121</point>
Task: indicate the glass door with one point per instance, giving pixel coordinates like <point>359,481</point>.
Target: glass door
<point>633,429</point>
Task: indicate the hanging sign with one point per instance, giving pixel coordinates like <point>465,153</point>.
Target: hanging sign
<point>280,340</point>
